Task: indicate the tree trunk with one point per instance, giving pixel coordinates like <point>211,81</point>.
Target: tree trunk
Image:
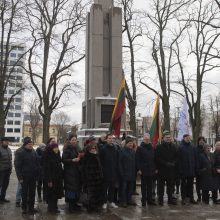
<point>132,122</point>
<point>2,122</point>
<point>46,127</point>
<point>166,112</point>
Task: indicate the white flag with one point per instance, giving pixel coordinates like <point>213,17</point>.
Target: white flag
<point>184,125</point>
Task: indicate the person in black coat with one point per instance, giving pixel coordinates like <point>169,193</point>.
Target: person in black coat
<point>27,170</point>
<point>101,142</point>
<point>127,172</point>
<point>187,168</point>
<point>145,157</point>
<point>92,176</point>
<point>54,177</point>
<point>209,176</point>
<point>109,160</point>
<point>200,151</point>
<point>40,151</point>
<point>166,158</point>
<point>72,177</point>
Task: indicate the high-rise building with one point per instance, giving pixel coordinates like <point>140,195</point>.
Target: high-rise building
<point>14,119</point>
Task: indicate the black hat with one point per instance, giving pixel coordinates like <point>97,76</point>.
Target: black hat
<point>5,139</point>
<point>27,140</point>
<point>185,135</point>
<point>128,139</point>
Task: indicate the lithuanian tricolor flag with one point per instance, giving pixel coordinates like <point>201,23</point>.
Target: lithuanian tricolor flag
<point>155,126</point>
<point>118,111</point>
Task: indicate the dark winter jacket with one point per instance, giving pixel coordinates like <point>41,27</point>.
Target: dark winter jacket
<point>127,170</point>
<point>92,173</point>
<point>100,144</point>
<point>72,177</point>
<point>209,177</point>
<point>40,153</point>
<point>109,161</point>
<point>145,157</point>
<point>5,158</point>
<point>26,164</point>
<point>199,152</point>
<point>166,157</point>
<point>53,174</point>
<point>187,160</point>
<point>217,159</point>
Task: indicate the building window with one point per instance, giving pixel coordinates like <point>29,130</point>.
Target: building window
<point>17,107</point>
<point>11,107</point>
<point>11,84</point>
<point>12,62</point>
<point>106,113</point>
<point>19,77</point>
<point>12,54</point>
<point>11,92</point>
<point>19,85</point>
<point>9,130</point>
<point>19,70</point>
<point>17,115</point>
<point>21,48</point>
<point>10,114</point>
<point>10,122</point>
<point>18,100</point>
<point>17,122</point>
<point>17,130</point>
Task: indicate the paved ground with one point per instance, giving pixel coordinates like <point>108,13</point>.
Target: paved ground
<point>188,212</point>
<point>179,212</point>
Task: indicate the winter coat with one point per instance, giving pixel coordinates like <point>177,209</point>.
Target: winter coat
<point>166,158</point>
<point>5,158</point>
<point>53,174</point>
<point>92,178</point>
<point>126,164</point>
<point>145,157</point>
<point>187,160</point>
<point>26,164</point>
<point>40,153</point>
<point>72,177</point>
<point>109,161</point>
<point>199,152</point>
<point>217,159</point>
<point>209,177</point>
<point>100,144</point>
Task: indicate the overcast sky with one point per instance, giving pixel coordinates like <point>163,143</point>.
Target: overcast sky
<point>145,98</point>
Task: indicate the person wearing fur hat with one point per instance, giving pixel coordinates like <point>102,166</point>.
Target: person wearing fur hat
<point>127,172</point>
<point>5,168</point>
<point>53,173</point>
<point>27,170</point>
<point>92,176</point>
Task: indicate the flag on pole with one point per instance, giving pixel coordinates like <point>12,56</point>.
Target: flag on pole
<point>118,111</point>
<point>155,126</point>
<point>184,125</point>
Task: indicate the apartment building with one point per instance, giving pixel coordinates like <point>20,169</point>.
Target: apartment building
<point>14,120</point>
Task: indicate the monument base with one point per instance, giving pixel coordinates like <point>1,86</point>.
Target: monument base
<point>96,132</point>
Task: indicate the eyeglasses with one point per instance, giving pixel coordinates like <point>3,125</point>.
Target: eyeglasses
<point>93,148</point>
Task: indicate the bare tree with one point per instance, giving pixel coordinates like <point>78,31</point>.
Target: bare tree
<point>55,28</point>
<point>34,119</point>
<point>163,34</point>
<point>204,52</point>
<point>10,13</point>
<point>215,112</point>
<point>62,121</point>
<point>132,30</point>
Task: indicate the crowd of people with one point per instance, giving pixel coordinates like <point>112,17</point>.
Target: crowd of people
<point>102,174</point>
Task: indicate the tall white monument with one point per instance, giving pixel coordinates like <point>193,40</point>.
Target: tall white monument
<point>103,65</point>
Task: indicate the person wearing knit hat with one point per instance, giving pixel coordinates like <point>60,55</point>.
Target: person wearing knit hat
<point>92,176</point>
<point>5,168</point>
<point>27,169</point>
<point>72,179</point>
<point>127,172</point>
<point>53,177</point>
